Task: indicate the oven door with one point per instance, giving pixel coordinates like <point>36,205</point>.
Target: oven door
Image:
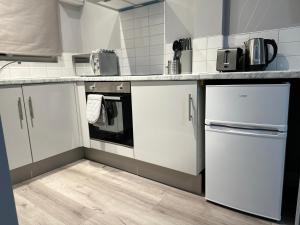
<point>118,127</point>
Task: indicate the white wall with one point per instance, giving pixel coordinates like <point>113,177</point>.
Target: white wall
<point>257,15</point>
<point>99,28</point>
<point>193,18</point>
<point>70,28</point>
<point>87,28</point>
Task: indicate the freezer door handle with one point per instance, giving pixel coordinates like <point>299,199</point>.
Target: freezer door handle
<point>246,132</point>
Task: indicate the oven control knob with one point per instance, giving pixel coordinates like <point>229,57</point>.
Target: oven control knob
<point>92,87</point>
<point>120,87</point>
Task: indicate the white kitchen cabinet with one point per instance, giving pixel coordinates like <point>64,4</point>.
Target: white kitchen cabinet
<point>167,126</point>
<point>52,119</point>
<point>14,126</point>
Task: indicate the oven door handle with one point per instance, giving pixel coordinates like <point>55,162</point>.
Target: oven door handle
<point>112,98</point>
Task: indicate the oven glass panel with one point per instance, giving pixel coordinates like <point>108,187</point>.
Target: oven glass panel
<point>118,127</point>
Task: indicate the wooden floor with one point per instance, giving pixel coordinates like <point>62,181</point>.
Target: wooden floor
<point>87,193</point>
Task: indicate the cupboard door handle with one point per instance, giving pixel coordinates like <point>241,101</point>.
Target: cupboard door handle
<point>31,110</point>
<point>20,112</point>
<point>190,107</point>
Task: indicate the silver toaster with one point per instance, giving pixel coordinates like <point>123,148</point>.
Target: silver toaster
<point>104,63</point>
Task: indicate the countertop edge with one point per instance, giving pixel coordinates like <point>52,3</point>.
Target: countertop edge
<point>181,77</point>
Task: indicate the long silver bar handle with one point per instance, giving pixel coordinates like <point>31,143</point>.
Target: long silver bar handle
<point>113,98</point>
<point>31,110</point>
<point>21,116</point>
<point>190,107</point>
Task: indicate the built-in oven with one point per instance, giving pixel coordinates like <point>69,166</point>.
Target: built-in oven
<point>117,99</point>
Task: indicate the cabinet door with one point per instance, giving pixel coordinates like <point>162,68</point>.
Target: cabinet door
<point>52,119</point>
<point>165,124</point>
<point>14,127</point>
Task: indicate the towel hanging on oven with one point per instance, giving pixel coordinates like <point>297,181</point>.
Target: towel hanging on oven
<point>95,109</point>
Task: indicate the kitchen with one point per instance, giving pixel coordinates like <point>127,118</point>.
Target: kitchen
<point>149,112</point>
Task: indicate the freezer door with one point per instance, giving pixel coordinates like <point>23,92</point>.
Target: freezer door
<point>252,106</point>
<point>244,170</point>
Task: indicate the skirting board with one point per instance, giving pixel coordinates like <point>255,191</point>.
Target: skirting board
<point>163,175</point>
<point>193,184</point>
<point>35,169</point>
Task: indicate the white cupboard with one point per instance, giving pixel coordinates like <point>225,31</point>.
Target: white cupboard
<point>39,121</point>
<point>15,126</point>
<point>52,119</point>
<point>167,124</point>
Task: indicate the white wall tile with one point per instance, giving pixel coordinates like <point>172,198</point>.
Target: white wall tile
<point>237,40</point>
<point>141,42</point>
<point>157,69</point>
<point>156,50</point>
<point>289,48</point>
<point>199,67</point>
<point>212,54</point>
<point>269,34</point>
<point>142,70</point>
<point>157,60</point>
<point>127,43</point>
<point>128,34</point>
<point>141,12</point>
<point>211,66</point>
<point>156,40</point>
<point>141,32</point>
<point>142,60</point>
<point>156,9</point>
<point>288,63</point>
<point>157,29</point>
<point>38,71</point>
<point>289,34</point>
<point>156,19</point>
<point>16,72</point>
<point>126,15</point>
<point>127,24</point>
<point>215,42</point>
<point>128,53</point>
<point>200,55</point>
<point>142,51</point>
<point>141,22</point>
<point>169,49</point>
<point>199,43</point>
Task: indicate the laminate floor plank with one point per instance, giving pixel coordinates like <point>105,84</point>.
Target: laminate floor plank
<point>89,193</point>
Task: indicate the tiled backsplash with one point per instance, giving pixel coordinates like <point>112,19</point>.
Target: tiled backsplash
<point>288,41</point>
<point>204,53</point>
<point>142,40</point>
<point>64,67</point>
<point>142,52</point>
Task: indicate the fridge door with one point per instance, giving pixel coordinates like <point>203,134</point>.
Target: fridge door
<point>252,106</point>
<point>244,169</point>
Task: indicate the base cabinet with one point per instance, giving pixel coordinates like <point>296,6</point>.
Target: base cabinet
<point>39,121</point>
<point>53,123</point>
<point>166,125</point>
<point>14,124</point>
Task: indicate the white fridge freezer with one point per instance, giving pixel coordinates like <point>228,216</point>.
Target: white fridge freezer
<point>245,141</point>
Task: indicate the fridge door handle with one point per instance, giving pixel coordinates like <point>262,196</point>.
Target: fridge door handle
<point>246,132</point>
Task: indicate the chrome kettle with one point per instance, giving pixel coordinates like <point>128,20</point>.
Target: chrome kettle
<point>257,53</point>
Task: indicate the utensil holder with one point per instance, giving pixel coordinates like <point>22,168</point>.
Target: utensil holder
<point>186,61</point>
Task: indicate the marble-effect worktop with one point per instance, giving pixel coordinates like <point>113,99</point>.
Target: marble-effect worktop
<point>183,77</point>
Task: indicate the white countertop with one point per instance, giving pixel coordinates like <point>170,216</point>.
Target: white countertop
<point>204,76</point>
